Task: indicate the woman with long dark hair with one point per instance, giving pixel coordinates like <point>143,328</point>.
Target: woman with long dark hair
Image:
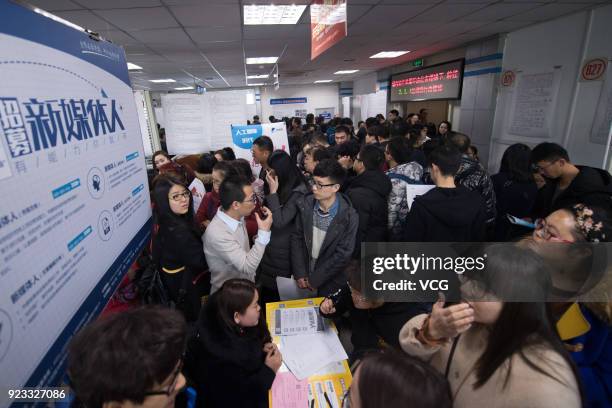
<point>231,357</point>
<point>497,349</point>
<point>515,191</point>
<point>177,245</point>
<point>287,186</point>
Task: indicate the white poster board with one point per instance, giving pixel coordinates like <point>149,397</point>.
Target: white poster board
<point>415,190</point>
<point>200,123</point>
<point>243,136</point>
<point>533,104</point>
<point>75,210</point>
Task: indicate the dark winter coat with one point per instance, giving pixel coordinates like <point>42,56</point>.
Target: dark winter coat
<point>228,368</point>
<point>369,193</point>
<point>591,186</point>
<point>277,258</point>
<point>327,274</point>
<point>446,215</point>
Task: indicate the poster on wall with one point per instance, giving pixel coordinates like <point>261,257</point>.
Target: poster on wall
<point>533,104</point>
<point>328,21</point>
<point>75,211</point>
<point>243,136</point>
<point>603,115</point>
<point>200,123</point>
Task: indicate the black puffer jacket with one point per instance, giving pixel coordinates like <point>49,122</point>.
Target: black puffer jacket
<point>277,258</point>
<point>369,193</point>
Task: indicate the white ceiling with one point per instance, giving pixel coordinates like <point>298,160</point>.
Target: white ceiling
<point>204,41</point>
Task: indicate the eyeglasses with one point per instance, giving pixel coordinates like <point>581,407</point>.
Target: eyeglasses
<point>543,232</point>
<point>535,167</point>
<point>319,186</point>
<point>172,386</point>
<point>252,199</point>
<point>178,196</point>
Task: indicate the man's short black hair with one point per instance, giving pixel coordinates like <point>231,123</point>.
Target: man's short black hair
<point>319,137</point>
<point>378,131</point>
<point>346,122</point>
<point>399,149</point>
<point>371,156</point>
<point>343,129</point>
<point>394,111</point>
<point>350,148</point>
<point>331,169</point>
<point>447,158</point>
<point>371,122</point>
<point>147,341</point>
<point>548,152</point>
<point>322,153</point>
<point>271,118</point>
<point>298,120</point>
<point>265,143</point>
<point>206,162</point>
<point>232,189</point>
<point>461,141</point>
<point>398,128</point>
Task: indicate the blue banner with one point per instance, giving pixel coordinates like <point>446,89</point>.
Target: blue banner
<point>284,101</point>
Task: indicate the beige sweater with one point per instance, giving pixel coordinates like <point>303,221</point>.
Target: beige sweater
<point>228,254</point>
<point>526,387</point>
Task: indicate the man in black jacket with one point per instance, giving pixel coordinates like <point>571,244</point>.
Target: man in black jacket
<point>566,183</point>
<point>324,237</point>
<point>369,192</point>
<point>446,213</point>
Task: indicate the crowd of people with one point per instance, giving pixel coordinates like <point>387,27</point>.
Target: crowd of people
<point>305,216</point>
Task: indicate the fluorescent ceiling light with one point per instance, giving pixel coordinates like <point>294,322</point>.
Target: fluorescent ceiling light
<point>389,54</point>
<point>259,84</point>
<point>322,81</point>
<point>272,14</point>
<point>184,88</point>
<point>262,60</point>
<point>133,66</point>
<point>161,81</point>
<point>257,76</point>
<point>346,71</point>
<point>58,19</point>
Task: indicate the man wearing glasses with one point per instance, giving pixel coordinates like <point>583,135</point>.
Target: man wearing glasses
<point>149,341</point>
<point>326,227</point>
<point>567,184</point>
<point>226,243</point>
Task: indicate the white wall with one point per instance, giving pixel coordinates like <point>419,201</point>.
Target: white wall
<point>562,44</point>
<point>318,96</point>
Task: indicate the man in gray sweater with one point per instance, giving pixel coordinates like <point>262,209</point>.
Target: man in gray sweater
<point>226,243</point>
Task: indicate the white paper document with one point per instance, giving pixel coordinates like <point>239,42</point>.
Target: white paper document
<point>289,290</point>
<point>306,354</point>
<point>299,320</point>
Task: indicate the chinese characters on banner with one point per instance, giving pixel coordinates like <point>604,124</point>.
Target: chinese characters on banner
<point>442,81</point>
<point>327,25</point>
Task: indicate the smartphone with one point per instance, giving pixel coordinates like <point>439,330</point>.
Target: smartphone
<point>521,222</point>
<point>261,213</point>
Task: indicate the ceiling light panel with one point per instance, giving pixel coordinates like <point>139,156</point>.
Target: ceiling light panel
<point>162,81</point>
<point>322,81</point>
<point>184,88</point>
<point>262,60</point>
<point>132,67</point>
<point>346,71</point>
<point>257,76</point>
<point>272,14</point>
<point>389,54</point>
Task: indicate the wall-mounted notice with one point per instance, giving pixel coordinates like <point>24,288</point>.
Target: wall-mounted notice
<point>533,104</point>
<point>243,136</point>
<point>75,207</point>
<point>187,121</point>
<point>603,116</point>
<point>200,123</point>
